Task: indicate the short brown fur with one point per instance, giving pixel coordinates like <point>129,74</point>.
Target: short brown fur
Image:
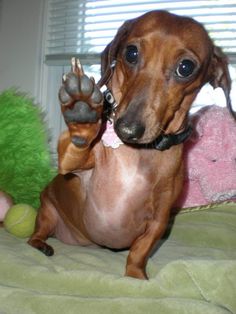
<point>122,198</point>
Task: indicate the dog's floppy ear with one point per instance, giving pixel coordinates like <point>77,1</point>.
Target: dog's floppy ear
<point>220,76</point>
<point>108,56</point>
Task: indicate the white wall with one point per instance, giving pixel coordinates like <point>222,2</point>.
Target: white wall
<point>21,25</point>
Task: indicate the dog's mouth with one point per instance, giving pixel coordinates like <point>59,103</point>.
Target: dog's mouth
<point>132,134</point>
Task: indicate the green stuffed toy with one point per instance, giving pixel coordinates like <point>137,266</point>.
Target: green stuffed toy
<point>25,161</point>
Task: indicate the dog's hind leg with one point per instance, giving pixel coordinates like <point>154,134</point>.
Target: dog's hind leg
<point>60,214</point>
<point>45,226</point>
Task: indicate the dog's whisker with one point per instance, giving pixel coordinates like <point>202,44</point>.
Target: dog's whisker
<point>161,128</point>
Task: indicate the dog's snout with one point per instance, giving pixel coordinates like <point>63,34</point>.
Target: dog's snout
<point>129,131</point>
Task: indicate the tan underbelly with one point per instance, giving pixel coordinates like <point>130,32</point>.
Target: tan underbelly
<point>116,218</point>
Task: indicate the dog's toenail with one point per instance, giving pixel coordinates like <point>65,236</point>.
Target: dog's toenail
<point>64,78</point>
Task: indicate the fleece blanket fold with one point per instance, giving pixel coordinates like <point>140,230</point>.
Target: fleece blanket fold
<point>192,271</point>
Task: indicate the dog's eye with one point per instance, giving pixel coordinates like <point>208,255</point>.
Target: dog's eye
<point>185,68</point>
<point>131,54</point>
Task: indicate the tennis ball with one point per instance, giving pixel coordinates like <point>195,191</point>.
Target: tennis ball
<point>20,220</point>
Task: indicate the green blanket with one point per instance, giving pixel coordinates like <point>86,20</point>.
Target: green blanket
<point>192,271</point>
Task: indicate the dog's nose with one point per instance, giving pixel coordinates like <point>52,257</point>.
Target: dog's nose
<point>129,131</point>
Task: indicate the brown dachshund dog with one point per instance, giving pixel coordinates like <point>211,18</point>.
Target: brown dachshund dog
<point>120,196</point>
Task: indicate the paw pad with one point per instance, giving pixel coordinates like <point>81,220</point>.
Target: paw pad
<point>79,88</point>
<point>81,113</point>
<point>82,102</point>
<point>46,249</point>
<point>78,141</point>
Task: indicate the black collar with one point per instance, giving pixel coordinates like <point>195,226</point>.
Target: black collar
<point>162,142</point>
<point>165,141</point>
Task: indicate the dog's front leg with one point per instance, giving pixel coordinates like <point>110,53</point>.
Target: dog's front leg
<point>142,246</point>
<point>81,104</point>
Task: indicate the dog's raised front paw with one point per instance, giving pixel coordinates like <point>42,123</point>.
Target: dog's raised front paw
<point>82,103</point>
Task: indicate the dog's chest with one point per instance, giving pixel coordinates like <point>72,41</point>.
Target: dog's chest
<point>119,197</point>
